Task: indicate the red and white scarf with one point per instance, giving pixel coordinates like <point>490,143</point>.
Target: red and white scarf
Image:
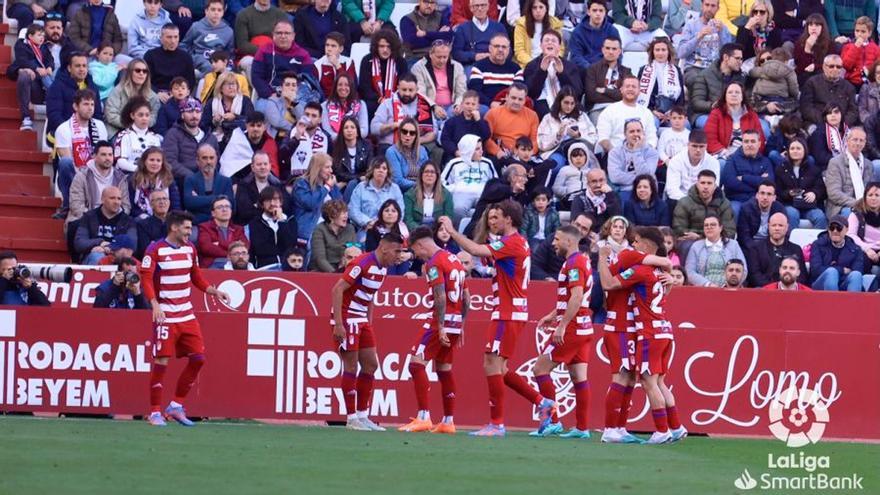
<point>669,86</point>
<point>336,111</point>
<point>37,53</point>
<point>834,139</point>
<point>423,114</point>
<point>384,84</point>
<point>82,145</point>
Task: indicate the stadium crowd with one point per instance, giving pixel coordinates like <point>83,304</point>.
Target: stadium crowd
<point>745,119</point>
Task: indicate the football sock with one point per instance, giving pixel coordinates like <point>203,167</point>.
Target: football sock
<point>188,376</point>
<point>612,404</point>
<point>364,391</point>
<point>582,404</point>
<point>420,382</point>
<point>348,391</point>
<point>521,386</point>
<point>660,423</point>
<point>157,374</point>
<point>447,388</point>
<point>496,398</point>
<point>624,407</point>
<point>672,417</point>
<point>545,385</point>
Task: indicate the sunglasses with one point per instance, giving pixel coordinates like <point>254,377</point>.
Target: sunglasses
<point>440,43</point>
<point>833,66</point>
<point>759,11</point>
<point>835,227</point>
<point>53,16</point>
<point>141,70</point>
<point>407,132</point>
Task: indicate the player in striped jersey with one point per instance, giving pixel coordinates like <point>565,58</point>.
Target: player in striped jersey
<point>353,331</point>
<point>510,293</point>
<point>167,269</point>
<point>442,333</point>
<point>570,342</point>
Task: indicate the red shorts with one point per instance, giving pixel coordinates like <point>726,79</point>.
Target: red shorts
<point>501,337</point>
<point>653,355</point>
<point>178,339</point>
<point>575,349</point>
<point>429,347</point>
<point>620,347</point>
<point>357,336</point>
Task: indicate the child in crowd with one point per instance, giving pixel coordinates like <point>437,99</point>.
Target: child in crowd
<point>333,63</point>
<point>170,111</point>
<point>103,70</point>
<point>539,170</point>
<point>859,55</point>
<point>540,220</point>
<point>31,54</point>
<point>776,92</point>
<point>219,65</point>
<point>294,260</point>
<point>790,127</point>
<point>669,242</point>
<point>675,137</point>
<point>572,178</point>
<point>679,277</point>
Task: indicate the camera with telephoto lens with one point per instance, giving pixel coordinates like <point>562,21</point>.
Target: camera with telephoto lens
<point>50,273</point>
<point>132,278</point>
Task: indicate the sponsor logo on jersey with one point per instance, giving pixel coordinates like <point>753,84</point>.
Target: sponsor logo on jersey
<point>433,273</point>
<point>627,274</point>
<point>497,245</point>
<point>146,262</point>
<point>356,272</point>
<point>574,275</point>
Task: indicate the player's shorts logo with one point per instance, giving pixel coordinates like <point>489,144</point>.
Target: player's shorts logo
<point>798,417</point>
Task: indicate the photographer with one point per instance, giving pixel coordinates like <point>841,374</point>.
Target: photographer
<point>123,291</point>
<point>16,285</point>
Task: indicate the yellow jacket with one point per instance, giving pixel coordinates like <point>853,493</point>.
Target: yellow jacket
<point>728,10</point>
<point>206,86</point>
<point>522,44</point>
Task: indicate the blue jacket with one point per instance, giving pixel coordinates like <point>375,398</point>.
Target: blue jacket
<point>110,295</point>
<point>169,114</point>
<point>455,128</point>
<point>197,202</point>
<point>655,215</point>
<point>366,200</point>
<point>585,45</point>
<point>469,41</point>
<point>750,170</point>
<point>59,99</point>
<point>307,203</point>
<point>397,163</point>
<point>749,220</point>
<point>822,253</point>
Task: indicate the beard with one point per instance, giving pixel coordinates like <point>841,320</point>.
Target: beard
<point>787,279</point>
<point>406,99</point>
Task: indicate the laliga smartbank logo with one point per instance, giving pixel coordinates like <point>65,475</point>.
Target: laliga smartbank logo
<point>798,417</point>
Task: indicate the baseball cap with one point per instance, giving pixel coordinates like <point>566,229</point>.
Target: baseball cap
<point>122,241</point>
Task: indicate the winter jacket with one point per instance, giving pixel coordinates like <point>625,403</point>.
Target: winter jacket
<point>764,259</point>
<point>468,41</point>
<point>620,15</point>
<point>654,214</point>
<point>415,213</point>
<point>80,30</point>
<point>842,14</point>
<point>839,185</point>
<point>778,142</point>
<point>595,78</point>
<point>143,33</point>
<point>59,99</point>
<point>400,166</point>
<point>536,77</point>
<point>24,58</point>
<point>105,77</point>
<point>149,229</point>
<point>698,258</point>
<point>351,168</point>
<point>742,175</point>
<point>354,10</point>
<point>212,245</point>
<point>169,114</point>
<point>307,203</point>
<point>84,195</point>
<point>585,45</point>
<point>818,145</point>
<point>495,191</point>
<point>691,211</point>
<point>269,245</point>
<point>270,63</point>
<point>810,180</point>
<point>461,177</point>
<point>197,201</point>
<point>309,34</point>
<point>203,39</point>
<point>872,129</point>
<point>822,256</point>
<point>818,92</point>
<point>366,199</point>
<point>112,296</point>
<point>522,42</point>
<point>250,23</point>
<point>707,87</point>
<point>180,148</point>
<point>531,223</point>
<point>581,204</point>
<point>427,81</point>
<point>116,102</point>
<point>455,128</point>
<point>226,127</point>
<point>746,38</point>
<point>869,101</point>
<point>749,221</point>
<point>247,199</point>
<point>327,247</point>
<point>719,128</point>
<point>857,59</point>
<point>774,80</point>
<point>94,228</point>
<point>415,46</point>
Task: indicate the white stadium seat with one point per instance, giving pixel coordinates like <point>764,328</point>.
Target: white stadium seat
<point>804,237</point>
<point>634,61</point>
<point>358,52</point>
<point>125,12</point>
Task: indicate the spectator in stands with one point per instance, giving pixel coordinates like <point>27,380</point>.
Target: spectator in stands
<point>135,83</point>
<point>169,112</point>
<point>753,222</point>
<point>122,291</point>
<point>529,30</point>
<point>588,36</point>
<point>274,59</point>
<point>462,12</point>
<point>441,80</point>
<point>766,255</point>
<point>427,200</point>
<point>493,74</point>
<point>841,17</point>
<point>709,85</point>
<point>331,63</point>
<point>153,227</point>
<point>646,207</point>
<point>572,178</point>
<point>376,188</point>
<point>90,181</point>
<point>313,23</point>
<point>205,185</point>
<point>682,169</point>
<point>169,61</point>
<point>364,22</point>
<point>351,153</point>
<point>238,257</point>
<point>219,65</point>
<point>734,271</point>
<point>546,263</point>
<point>789,276</point>
<point>616,233</point>
<point>566,123</point>
<point>511,185</point>
<point>145,29</point>
<point>381,69</point>
<point>847,175</point>
<point>247,194</point>
<point>813,44</point>
<point>284,108</point>
<point>76,140</point>
<point>759,33</point>
<point>731,118</point>
<point>218,234</point>
<point>153,173</point>
<point>33,70</point>
<point>94,24</point>
<point>703,198</point>
<point>702,37</point>
<point>510,121</point>
<point>472,37</point>
<point>540,218</point>
<point>25,11</point>
<point>407,155</point>
<point>59,43</point>
<point>348,256</point>
<point>671,248</point>
<point>869,94</point>
<point>789,128</point>
<point>136,136</point>
<point>271,233</point>
<point>311,191</point>
<point>184,138</point>
<point>406,102</point>
<point>708,258</point>
<point>745,170</point>
<point>243,145</point>
<point>604,78</point>
<point>598,201</point>
<point>545,82</point>
<point>828,87</point>
<point>611,124</point>
<point>637,22</point>
<point>294,260</point>
<point>422,27</point>
<point>827,140</point>
<point>860,53</point>
<point>208,35</point>
<point>661,86</point>
<point>466,176</point>
<point>836,261</point>
<point>864,224</point>
<point>632,158</point>
<point>306,139</point>
<point>389,220</point>
<point>679,277</point>
<point>59,98</point>
<point>467,121</point>
<point>331,237</point>
<point>98,227</point>
<point>254,27</point>
<point>227,109</point>
<point>16,290</point>
<point>121,247</point>
<point>800,187</point>
<point>343,101</point>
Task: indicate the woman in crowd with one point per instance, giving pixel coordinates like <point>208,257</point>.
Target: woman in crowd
<point>376,188</point>
<point>136,136</point>
<point>811,48</point>
<point>565,122</point>
<point>227,110</point>
<point>389,219</point>
<point>776,90</point>
<point>760,32</point>
<point>407,155</point>
<point>381,69</point>
<point>615,233</point>
<point>646,207</point>
<point>661,82</point>
<point>428,200</point>
<point>864,224</point>
<point>135,82</point>
<point>707,259</point>
<point>829,140</point>
<point>730,117</point>
<point>530,27</point>
<point>351,154</point>
<point>344,102</point>
<point>152,174</point>
<point>331,237</point>
<point>311,191</point>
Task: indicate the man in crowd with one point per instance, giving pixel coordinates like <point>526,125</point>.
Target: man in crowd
<point>598,200</point>
<point>495,73</point>
<point>705,88</point>
<point>638,22</point>
<point>247,194</point>
<point>90,181</point>
<point>765,255</point>
<point>543,81</point>
<point>753,222</point>
<point>244,144</point>
<point>314,22</point>
<point>217,235</point>
<point>15,289</point>
<point>253,28</point>
<point>472,38</point>
<point>734,274</point>
<point>745,170</point>
<point>604,78</point>
<point>836,261</point>
<point>98,227</point>
<point>274,59</point>
<point>60,97</point>
<point>154,227</point>
<point>184,138</point>
<point>700,42</point>
<point>511,185</point>
<point>703,199</point>
<point>306,138</point>
<point>546,262</point>
<point>847,175</point>
<point>829,87</point>
<point>201,188</point>
<point>405,102</point>
<point>60,45</point>
<point>510,121</point>
<point>123,289</point>
<point>789,276</point>
<point>169,61</point>
<point>422,27</point>
<point>589,35</point>
<point>683,168</point>
<point>76,140</point>
<point>238,257</point>
<point>612,121</point>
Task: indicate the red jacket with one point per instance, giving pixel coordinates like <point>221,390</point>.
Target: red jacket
<point>212,245</point>
<point>719,128</point>
<point>461,11</point>
<point>857,58</point>
<point>775,286</point>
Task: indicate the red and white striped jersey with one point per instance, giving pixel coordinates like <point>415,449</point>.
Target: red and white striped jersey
<point>166,272</point>
<point>510,284</point>
<point>445,268</point>
<point>365,276</point>
<point>650,297</point>
<point>576,272</point>
<point>619,303</point>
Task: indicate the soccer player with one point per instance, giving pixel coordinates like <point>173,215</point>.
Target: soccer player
<point>654,341</point>
<point>570,342</point>
<point>168,267</point>
<point>510,285</point>
<point>442,333</point>
<point>353,330</point>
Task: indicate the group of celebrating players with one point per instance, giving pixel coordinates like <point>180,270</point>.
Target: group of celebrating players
<point>637,340</point>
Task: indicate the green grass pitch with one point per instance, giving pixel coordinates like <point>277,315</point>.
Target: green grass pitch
<point>70,456</point>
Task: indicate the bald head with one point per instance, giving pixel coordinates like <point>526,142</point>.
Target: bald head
<point>206,159</point>
<point>111,201</point>
<point>777,228</point>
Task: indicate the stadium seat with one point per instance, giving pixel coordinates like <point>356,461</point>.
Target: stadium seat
<point>804,237</point>
<point>358,52</point>
<point>125,12</point>
<point>634,61</point>
<point>400,10</point>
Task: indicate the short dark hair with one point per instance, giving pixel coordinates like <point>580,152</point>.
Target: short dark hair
<point>177,81</point>
<point>289,75</point>
<point>752,131</point>
<point>336,36</point>
<point>177,217</point>
<point>510,209</point>
<point>599,2</point>
<point>83,95</point>
<point>219,198</point>
<point>103,144</point>
<point>8,255</point>
<point>256,117</point>
<point>707,173</point>
<point>767,183</point>
<point>728,48</point>
<point>697,136</point>
<point>209,2</point>
<point>170,26</point>
<point>678,110</point>
<point>314,105</point>
<point>126,260</point>
<point>735,261</point>
<point>519,87</point>
<point>420,233</point>
<point>408,77</point>
<point>540,190</point>
<point>570,230</point>
<point>392,237</point>
<point>219,55</point>
<point>654,235</point>
<point>552,32</point>
<point>523,142</point>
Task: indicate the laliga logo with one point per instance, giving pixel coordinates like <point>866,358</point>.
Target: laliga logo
<point>565,398</point>
<point>263,295</point>
<point>798,423</point>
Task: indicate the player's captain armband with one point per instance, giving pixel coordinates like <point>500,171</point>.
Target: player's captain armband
<point>497,245</point>
<point>146,262</point>
<point>433,273</point>
<point>574,275</point>
<point>626,274</point>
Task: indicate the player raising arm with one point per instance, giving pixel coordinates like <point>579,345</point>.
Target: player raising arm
<point>353,329</point>
<point>170,265</point>
<point>442,333</point>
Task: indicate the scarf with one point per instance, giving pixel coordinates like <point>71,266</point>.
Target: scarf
<point>761,36</point>
<point>336,111</point>
<point>37,53</point>
<point>369,7</point>
<point>387,85</point>
<point>423,115</point>
<point>302,155</point>
<point>855,174</point>
<point>142,197</point>
<point>834,139</point>
<point>82,149</point>
<point>668,86</point>
<point>552,83</point>
<point>639,10</point>
<point>598,201</point>
<point>218,108</point>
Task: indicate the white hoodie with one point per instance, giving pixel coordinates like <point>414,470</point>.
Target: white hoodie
<point>463,174</point>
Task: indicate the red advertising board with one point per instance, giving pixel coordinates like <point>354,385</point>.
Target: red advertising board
<point>270,355</point>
